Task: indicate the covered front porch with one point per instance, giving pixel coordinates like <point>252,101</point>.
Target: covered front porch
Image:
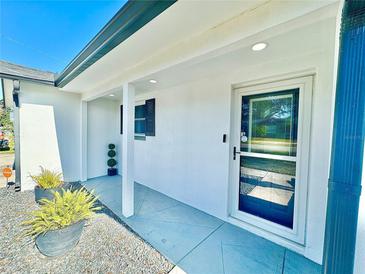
<point>184,127</point>
<point>193,240</point>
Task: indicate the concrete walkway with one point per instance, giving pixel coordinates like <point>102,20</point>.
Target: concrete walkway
<point>195,241</point>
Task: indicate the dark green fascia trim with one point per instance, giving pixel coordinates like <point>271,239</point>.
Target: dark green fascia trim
<point>353,15</point>
<point>129,19</point>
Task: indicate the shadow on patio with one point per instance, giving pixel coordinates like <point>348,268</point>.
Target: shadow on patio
<point>195,241</point>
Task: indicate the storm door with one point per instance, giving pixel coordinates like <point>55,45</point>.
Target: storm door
<point>270,154</point>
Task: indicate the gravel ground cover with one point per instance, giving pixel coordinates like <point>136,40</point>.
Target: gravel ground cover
<point>106,246</point>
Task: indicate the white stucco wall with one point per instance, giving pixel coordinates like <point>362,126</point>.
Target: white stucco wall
<point>187,159</point>
<point>8,92</point>
<point>102,129</point>
<point>66,114</point>
<point>38,142</point>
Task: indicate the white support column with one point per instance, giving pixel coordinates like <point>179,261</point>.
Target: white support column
<point>83,141</point>
<point>128,151</point>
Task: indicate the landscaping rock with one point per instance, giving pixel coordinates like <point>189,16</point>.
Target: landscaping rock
<point>106,246</point>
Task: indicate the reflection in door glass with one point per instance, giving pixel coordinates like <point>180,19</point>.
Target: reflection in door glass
<point>269,126</point>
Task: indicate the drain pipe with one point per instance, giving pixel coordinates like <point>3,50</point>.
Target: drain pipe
<point>16,91</point>
<point>344,186</point>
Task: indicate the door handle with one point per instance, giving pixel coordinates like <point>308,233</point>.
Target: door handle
<point>235,152</point>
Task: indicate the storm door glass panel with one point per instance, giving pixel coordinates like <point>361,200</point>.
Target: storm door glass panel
<point>269,126</point>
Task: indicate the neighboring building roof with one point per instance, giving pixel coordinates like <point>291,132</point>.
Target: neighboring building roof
<point>129,19</point>
<point>13,71</point>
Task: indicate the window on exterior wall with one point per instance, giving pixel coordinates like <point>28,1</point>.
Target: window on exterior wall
<point>144,120</point>
<point>140,122</point>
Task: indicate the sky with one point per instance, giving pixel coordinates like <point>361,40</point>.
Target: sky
<point>48,34</point>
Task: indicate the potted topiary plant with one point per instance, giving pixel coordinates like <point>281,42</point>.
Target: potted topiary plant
<point>112,162</point>
<point>57,225</point>
<point>47,182</point>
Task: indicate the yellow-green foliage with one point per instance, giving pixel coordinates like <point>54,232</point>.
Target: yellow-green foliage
<point>47,178</point>
<point>65,209</point>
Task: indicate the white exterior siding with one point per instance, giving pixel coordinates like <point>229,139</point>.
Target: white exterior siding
<point>8,92</point>
<point>187,159</point>
<point>38,142</point>
<point>67,122</point>
<point>102,129</point>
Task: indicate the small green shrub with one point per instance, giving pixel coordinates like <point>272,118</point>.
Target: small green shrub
<point>111,153</point>
<point>48,179</point>
<point>112,162</point>
<point>67,208</point>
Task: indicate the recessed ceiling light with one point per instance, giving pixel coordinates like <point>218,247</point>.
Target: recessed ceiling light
<point>111,95</point>
<point>153,81</point>
<point>259,46</point>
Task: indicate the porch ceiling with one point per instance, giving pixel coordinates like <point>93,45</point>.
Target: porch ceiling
<point>182,20</point>
<point>189,35</point>
<point>300,40</point>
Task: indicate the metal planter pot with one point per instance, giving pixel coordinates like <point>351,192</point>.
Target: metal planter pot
<point>41,193</point>
<point>58,242</point>
<point>112,171</point>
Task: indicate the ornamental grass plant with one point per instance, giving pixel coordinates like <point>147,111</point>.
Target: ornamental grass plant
<point>67,208</point>
<point>47,179</point>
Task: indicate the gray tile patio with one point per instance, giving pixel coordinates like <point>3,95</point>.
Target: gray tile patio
<point>195,241</point>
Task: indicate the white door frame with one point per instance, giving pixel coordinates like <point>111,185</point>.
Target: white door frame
<point>297,234</point>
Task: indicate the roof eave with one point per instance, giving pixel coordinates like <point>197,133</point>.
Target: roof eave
<point>128,20</point>
<point>18,77</point>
